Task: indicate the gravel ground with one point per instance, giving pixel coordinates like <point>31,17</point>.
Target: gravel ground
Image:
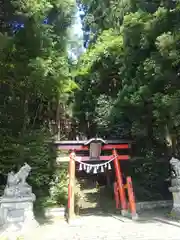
<point>106,228</point>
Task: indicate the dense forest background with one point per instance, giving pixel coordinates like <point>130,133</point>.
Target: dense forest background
<point>126,85</point>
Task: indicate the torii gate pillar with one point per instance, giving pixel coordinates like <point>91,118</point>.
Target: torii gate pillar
<point>71,186</point>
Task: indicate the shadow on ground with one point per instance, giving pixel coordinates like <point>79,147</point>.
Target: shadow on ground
<point>92,212</point>
<point>44,220</point>
<point>101,203</point>
<point>161,215</point>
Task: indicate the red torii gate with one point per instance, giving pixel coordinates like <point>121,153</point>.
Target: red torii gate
<point>94,146</point>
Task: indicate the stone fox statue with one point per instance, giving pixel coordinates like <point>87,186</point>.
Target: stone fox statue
<point>19,177</point>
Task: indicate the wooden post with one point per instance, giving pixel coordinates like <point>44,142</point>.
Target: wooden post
<point>120,184</point>
<point>71,186</point>
<point>131,197</point>
<point>116,195</point>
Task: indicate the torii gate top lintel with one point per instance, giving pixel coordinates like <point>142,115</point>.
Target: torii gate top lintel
<point>86,142</point>
<point>95,145</point>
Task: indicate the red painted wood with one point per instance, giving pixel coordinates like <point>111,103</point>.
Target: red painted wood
<point>131,197</point>
<point>116,195</point>
<point>82,148</point>
<point>119,181</point>
<point>103,158</point>
<point>117,146</point>
<point>123,157</point>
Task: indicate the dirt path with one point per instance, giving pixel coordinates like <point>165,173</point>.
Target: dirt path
<point>106,228</point>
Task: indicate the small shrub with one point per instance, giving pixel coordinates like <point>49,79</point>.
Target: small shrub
<point>59,188</point>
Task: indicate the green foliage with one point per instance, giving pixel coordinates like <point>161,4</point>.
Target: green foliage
<point>59,188</point>
<point>129,80</point>
<point>35,80</point>
<point>145,61</point>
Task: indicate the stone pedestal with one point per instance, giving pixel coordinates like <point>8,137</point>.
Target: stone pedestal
<point>175,189</point>
<point>16,205</point>
<point>17,214</point>
<point>15,210</point>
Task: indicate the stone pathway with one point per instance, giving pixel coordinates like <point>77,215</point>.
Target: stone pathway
<point>106,228</point>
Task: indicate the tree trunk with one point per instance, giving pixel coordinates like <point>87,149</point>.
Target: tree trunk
<point>58,123</point>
